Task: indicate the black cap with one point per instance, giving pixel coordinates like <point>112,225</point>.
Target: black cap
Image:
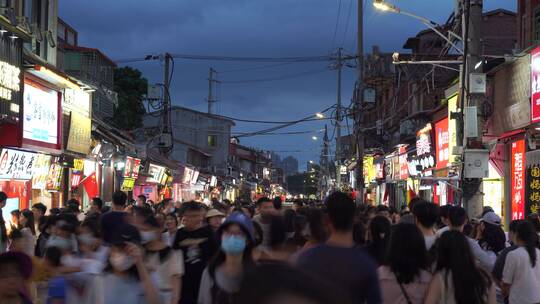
<point>125,233</point>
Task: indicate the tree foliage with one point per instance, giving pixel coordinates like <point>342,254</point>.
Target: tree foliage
<point>130,86</point>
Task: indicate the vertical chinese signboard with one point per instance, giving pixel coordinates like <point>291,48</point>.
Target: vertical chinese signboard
<point>532,203</point>
<point>424,148</point>
<point>442,142</point>
<point>403,163</point>
<point>518,179</point>
<point>535,85</point>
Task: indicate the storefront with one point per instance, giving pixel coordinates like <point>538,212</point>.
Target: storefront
<point>16,171</point>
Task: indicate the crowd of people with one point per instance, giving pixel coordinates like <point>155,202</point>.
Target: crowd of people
<point>243,252</point>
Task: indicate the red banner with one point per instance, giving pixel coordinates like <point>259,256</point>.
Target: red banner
<point>535,85</point>
<point>518,179</point>
<point>91,186</point>
<point>403,165</point>
<point>442,144</point>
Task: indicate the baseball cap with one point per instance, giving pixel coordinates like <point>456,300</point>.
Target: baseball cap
<point>241,220</point>
<point>214,212</point>
<point>491,218</point>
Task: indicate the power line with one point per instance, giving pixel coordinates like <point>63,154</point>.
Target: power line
<point>336,26</point>
<point>257,68</point>
<point>284,77</point>
<point>266,121</point>
<point>321,58</point>
<point>347,24</point>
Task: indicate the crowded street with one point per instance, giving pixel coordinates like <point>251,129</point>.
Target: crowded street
<point>270,152</point>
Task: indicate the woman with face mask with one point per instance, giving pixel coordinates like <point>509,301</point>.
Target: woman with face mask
<point>221,279</point>
<point>171,226</point>
<point>125,279</point>
<point>165,263</point>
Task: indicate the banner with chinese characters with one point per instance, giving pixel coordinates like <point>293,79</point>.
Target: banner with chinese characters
<point>535,85</point>
<point>518,179</point>
<point>16,164</point>
<point>442,141</point>
<point>424,147</point>
<point>54,180</point>
<point>80,134</point>
<point>533,189</point>
<point>41,171</point>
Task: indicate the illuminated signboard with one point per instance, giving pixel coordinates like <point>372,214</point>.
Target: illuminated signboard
<point>9,80</point>
<point>442,143</point>
<point>80,134</point>
<point>156,173</point>
<point>76,101</point>
<point>128,184</point>
<point>41,171</point>
<point>403,164</point>
<point>535,85</point>
<point>54,179</point>
<point>40,114</point>
<point>518,179</point>
<point>131,169</point>
<point>424,148</point>
<point>15,164</point>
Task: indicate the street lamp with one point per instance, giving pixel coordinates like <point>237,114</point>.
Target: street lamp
<point>387,7</point>
<point>319,115</point>
<point>311,162</point>
<point>314,137</point>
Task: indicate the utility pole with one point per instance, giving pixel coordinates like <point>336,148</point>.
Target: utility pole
<point>359,133</point>
<point>338,122</point>
<point>211,99</point>
<point>472,25</point>
<point>166,136</point>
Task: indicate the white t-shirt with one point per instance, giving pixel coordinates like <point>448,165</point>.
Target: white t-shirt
<point>430,241</point>
<point>172,264</point>
<point>523,278</point>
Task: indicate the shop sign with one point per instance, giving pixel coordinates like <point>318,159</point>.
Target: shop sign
<point>369,170</point>
<point>80,134</point>
<point>403,164</point>
<point>379,169</point>
<point>78,165</point>
<point>156,173</point>
<point>413,164</point>
<point>9,80</point>
<point>535,85</point>
<point>532,203</point>
<point>40,115</point>
<point>442,144</point>
<point>424,148</point>
<point>76,179</point>
<point>76,101</point>
<point>452,128</point>
<point>188,175</point>
<point>213,181</point>
<point>54,179</point>
<point>518,179</point>
<point>16,164</point>
<point>131,168</point>
<point>128,184</point>
<point>195,177</point>
<point>41,171</point>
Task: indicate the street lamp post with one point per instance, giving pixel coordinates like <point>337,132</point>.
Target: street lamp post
<point>385,6</point>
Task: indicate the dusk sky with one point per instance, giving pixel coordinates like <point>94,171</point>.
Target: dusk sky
<point>261,28</point>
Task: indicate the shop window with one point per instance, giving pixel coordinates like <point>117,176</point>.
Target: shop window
<point>212,140</point>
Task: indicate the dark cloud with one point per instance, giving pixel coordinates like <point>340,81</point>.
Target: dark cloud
<point>274,28</point>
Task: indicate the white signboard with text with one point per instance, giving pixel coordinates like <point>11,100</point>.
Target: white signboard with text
<point>40,117</point>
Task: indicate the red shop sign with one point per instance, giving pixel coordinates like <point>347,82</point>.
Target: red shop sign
<point>442,144</point>
<point>535,85</point>
<point>518,179</point>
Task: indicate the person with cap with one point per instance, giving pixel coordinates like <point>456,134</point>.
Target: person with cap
<point>125,279</point>
<point>15,271</point>
<point>221,279</point>
<point>214,218</point>
<point>3,230</point>
<point>490,235</point>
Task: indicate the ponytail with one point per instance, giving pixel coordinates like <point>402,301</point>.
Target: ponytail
<point>526,232</point>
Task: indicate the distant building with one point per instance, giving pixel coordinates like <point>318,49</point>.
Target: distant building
<point>89,65</point>
<point>289,165</point>
<point>199,139</point>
